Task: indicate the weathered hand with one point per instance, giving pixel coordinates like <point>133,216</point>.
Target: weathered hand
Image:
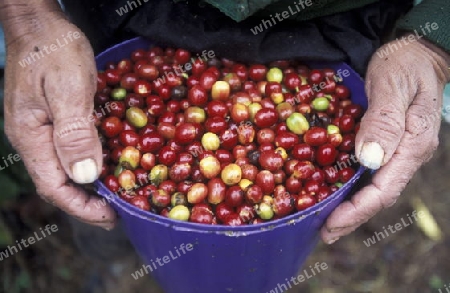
<point>42,99</point>
<point>399,132</point>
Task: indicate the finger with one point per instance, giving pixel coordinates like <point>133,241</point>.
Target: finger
<point>71,106</point>
<point>52,182</point>
<point>383,192</point>
<point>392,178</point>
<point>383,125</point>
<point>78,148</point>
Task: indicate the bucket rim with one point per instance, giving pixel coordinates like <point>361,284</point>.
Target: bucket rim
<point>244,230</point>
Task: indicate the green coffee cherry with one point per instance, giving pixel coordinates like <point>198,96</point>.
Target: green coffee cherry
<point>180,213</point>
<point>119,94</point>
<point>265,211</point>
<point>332,129</point>
<point>297,123</point>
<point>136,117</point>
<point>320,104</point>
<point>275,74</point>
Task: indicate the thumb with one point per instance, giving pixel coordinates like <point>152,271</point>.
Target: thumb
<point>383,125</point>
<point>78,148</point>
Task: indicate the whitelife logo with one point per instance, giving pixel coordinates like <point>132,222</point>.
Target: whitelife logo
<point>395,228</point>
<point>12,159</point>
<point>342,165</point>
<point>182,69</point>
<point>279,17</point>
<point>78,123</point>
<point>392,47</point>
<point>131,5</point>
<point>11,250</point>
<point>185,248</point>
<point>39,52</point>
<point>318,267</point>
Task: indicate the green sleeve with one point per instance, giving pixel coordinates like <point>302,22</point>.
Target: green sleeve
<point>431,20</point>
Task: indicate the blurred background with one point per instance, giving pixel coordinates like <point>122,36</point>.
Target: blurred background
<point>415,259</point>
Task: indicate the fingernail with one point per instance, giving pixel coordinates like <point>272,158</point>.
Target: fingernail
<point>84,171</point>
<point>371,155</point>
<point>333,240</point>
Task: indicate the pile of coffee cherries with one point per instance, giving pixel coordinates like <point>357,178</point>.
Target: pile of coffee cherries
<point>222,142</point>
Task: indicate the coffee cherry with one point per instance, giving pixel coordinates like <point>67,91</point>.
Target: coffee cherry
<point>320,104</point>
<point>140,202</point>
<point>297,123</point>
<point>201,215</point>
<point>118,94</point>
<point>197,193</point>
<point>160,198</point>
<point>270,160</point>
<point>326,154</point>
<point>254,194</point>
<point>111,183</point>
<point>231,174</point>
<point>130,157</point>
<point>265,211</point>
<point>266,118</point>
<point>304,201</point>
<point>210,141</point>
<point>136,117</point>
<point>158,174</point>
<point>346,174</point>
<point>209,167</point>
<point>283,204</point>
<point>220,90</point>
<point>111,126</point>
<point>180,213</point>
<point>275,75</point>
<point>257,72</point>
<point>127,179</point>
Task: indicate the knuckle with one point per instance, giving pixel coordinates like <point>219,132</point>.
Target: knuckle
<point>421,123</point>
<point>364,211</point>
<point>77,143</point>
<point>391,116</point>
<point>52,195</point>
<point>388,200</point>
<point>387,122</point>
<point>425,152</point>
<point>47,195</point>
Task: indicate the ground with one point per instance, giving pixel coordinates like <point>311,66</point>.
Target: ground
<point>407,261</point>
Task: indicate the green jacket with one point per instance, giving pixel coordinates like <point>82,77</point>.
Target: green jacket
<point>430,19</point>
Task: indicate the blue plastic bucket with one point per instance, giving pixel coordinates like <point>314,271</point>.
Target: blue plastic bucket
<point>244,259</point>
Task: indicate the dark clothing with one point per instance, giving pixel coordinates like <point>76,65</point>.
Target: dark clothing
<point>350,36</point>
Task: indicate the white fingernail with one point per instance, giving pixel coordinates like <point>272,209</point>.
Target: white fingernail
<point>371,155</point>
<point>85,171</point>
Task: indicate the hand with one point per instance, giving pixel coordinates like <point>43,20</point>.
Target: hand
<point>42,99</point>
<point>399,131</point>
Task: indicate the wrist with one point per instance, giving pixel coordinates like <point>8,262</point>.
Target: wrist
<point>23,19</point>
